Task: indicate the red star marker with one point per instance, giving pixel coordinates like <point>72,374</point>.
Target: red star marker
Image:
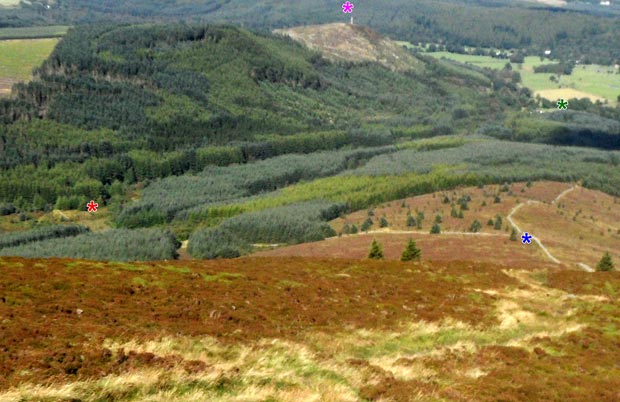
<point>92,206</point>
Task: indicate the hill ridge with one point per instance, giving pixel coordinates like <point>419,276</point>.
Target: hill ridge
<point>348,42</point>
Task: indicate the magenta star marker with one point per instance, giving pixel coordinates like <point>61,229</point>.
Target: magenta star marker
<point>347,7</point>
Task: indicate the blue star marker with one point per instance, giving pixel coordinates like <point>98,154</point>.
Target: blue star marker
<point>526,238</point>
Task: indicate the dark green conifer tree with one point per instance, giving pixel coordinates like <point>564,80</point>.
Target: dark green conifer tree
<point>411,252</point>
<point>605,264</point>
<point>513,234</point>
<point>376,251</point>
<point>475,226</point>
<point>410,221</point>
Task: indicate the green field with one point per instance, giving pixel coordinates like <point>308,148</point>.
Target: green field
<point>52,31</point>
<point>594,80</point>
<point>18,58</point>
<point>480,61</point>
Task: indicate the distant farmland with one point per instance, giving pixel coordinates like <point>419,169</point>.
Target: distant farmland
<point>19,57</point>
<point>586,81</point>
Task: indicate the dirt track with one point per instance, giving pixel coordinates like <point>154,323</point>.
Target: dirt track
<point>535,238</point>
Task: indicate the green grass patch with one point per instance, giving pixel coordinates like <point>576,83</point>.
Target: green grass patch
<point>480,61</point>
<point>7,264</point>
<point>429,144</point>
<point>418,341</point>
<point>146,282</point>
<point>476,297</point>
<point>224,277</point>
<point>19,57</point>
<point>540,277</point>
<point>126,266</point>
<point>172,268</point>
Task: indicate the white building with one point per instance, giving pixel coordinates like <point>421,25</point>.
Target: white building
<point>547,52</point>
<point>605,3</point>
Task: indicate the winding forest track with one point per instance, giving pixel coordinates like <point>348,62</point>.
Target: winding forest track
<point>563,193</point>
<point>536,239</point>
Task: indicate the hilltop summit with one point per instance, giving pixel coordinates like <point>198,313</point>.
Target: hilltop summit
<point>340,41</point>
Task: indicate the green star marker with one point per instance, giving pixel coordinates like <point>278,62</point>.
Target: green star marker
<point>562,104</point>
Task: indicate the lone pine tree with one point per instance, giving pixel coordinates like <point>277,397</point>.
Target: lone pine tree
<point>410,221</point>
<point>436,229</point>
<point>513,234</point>
<point>366,225</point>
<point>498,223</point>
<point>346,229</point>
<point>411,252</point>
<point>475,226</point>
<point>383,222</point>
<point>376,252</point>
<point>605,264</point>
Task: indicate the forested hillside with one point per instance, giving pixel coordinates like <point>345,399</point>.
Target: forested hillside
<point>126,104</point>
<point>228,138</point>
<point>573,32</point>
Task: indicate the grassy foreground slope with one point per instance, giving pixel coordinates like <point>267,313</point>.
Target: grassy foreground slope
<point>261,329</point>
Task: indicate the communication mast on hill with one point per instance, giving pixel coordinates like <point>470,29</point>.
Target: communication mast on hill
<point>347,8</point>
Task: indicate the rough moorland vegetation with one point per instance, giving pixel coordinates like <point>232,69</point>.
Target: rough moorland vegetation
<point>325,329</point>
